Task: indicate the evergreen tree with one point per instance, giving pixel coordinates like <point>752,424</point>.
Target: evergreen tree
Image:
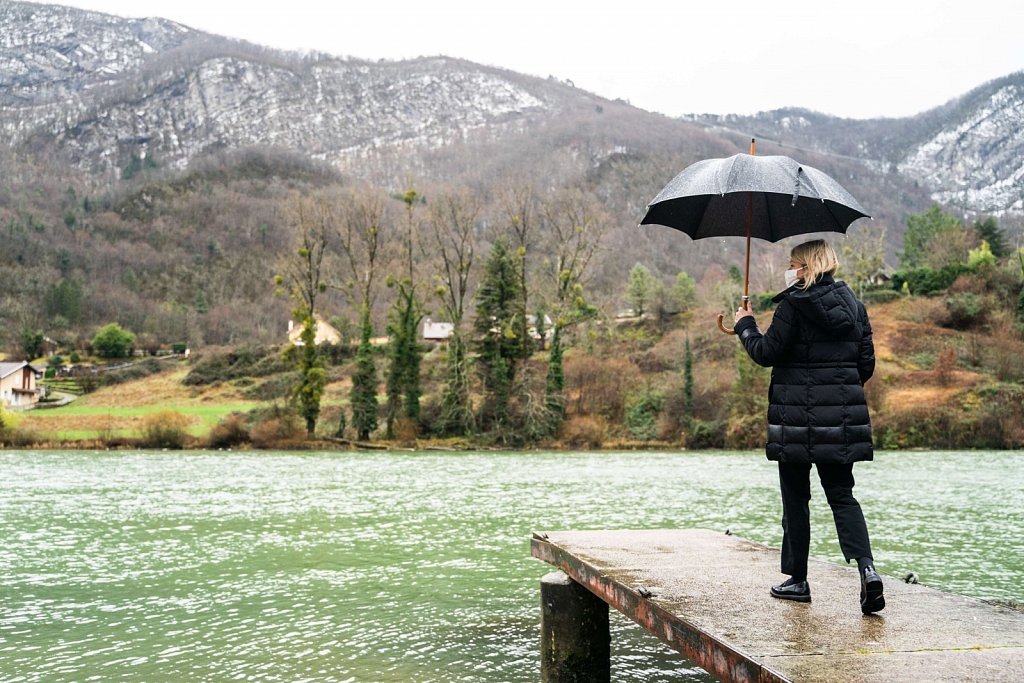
<point>539,328</point>
<point>687,383</point>
<point>555,386</point>
<point>201,305</point>
<point>499,306</point>
<point>456,409</point>
<point>32,342</point>
<point>989,231</point>
<point>363,396</point>
<point>925,233</point>
<point>65,299</point>
<point>312,376</point>
<point>403,381</point>
<point>683,292</point>
<point>640,289</point>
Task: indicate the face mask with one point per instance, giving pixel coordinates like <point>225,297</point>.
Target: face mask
<point>791,277</point>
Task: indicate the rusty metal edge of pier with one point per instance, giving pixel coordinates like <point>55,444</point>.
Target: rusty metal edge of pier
<point>711,654</point>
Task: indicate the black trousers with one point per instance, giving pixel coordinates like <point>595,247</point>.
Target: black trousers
<point>837,480</point>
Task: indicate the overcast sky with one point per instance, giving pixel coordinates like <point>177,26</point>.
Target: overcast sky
<point>855,59</point>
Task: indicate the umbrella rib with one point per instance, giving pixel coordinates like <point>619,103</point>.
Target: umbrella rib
<point>728,176</point>
<point>810,183</point>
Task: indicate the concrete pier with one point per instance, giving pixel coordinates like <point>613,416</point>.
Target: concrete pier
<point>575,642</point>
<point>705,594</point>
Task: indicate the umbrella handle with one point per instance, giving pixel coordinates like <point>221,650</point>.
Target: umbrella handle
<point>722,327</point>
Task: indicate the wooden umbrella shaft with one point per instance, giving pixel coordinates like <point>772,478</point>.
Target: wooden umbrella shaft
<point>750,228</point>
<point>746,274</point>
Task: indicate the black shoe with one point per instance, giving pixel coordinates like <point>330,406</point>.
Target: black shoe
<point>793,590</point>
<point>871,599</point>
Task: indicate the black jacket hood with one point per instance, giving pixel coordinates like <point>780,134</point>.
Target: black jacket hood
<point>829,303</point>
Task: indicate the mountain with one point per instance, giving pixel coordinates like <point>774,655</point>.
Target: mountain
<point>153,168</point>
<point>77,81</point>
<point>968,153</point>
<point>103,91</point>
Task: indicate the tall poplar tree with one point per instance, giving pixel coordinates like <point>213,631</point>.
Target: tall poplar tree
<point>403,381</point>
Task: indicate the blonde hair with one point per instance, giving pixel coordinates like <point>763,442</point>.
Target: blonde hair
<point>817,258</point>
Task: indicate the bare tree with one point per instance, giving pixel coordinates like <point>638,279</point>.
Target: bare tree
<point>453,217</point>
<point>519,204</point>
<point>864,255</point>
<point>302,270</point>
<point>574,226</point>
<point>311,219</point>
<point>359,243</point>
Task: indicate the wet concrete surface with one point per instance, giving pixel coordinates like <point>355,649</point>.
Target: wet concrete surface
<point>704,590</point>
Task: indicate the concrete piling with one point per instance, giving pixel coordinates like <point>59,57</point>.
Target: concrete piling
<point>575,640</point>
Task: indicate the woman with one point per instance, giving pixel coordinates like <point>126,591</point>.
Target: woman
<point>820,349</point>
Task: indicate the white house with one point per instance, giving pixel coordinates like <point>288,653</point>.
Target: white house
<point>326,333</point>
<point>437,332</point>
<point>18,385</point>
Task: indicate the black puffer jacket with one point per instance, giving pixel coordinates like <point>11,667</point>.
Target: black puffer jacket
<point>820,349</point>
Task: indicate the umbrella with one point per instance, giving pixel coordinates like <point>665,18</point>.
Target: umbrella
<point>767,197</point>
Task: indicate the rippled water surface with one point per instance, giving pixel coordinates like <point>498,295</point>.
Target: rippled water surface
<point>409,567</point>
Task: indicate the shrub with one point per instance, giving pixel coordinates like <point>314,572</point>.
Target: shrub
<point>965,311</point>
<point>945,365</point>
<point>277,387</point>
<point>8,423</point>
<point>248,361</point>
<point>1006,359</point>
<point>230,431</point>
<point>279,428</point>
<point>745,431</point>
<point>75,358</point>
<point>583,431</point>
<point>706,434</point>
<point>166,429</point>
<point>928,280</point>
<point>642,410</point>
<point>406,430</point>
<point>881,296</point>
<point>136,371</point>
<point>113,342</point>
<point>598,386</point>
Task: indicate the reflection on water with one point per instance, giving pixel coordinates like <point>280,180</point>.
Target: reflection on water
<point>409,567</point>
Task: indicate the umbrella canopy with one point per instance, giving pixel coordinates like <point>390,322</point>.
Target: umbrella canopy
<point>712,198</point>
<point>769,197</point>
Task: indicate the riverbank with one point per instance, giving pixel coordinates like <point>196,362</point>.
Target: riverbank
<point>934,387</point>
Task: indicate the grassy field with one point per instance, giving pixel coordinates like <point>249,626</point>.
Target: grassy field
<point>120,410</point>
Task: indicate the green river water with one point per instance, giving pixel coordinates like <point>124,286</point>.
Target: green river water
<point>411,566</point>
